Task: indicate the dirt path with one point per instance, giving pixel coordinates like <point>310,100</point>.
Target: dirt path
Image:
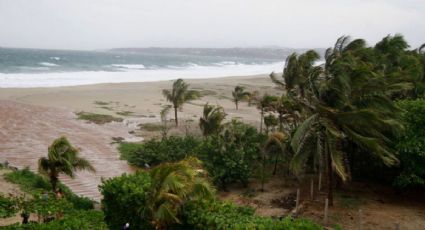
<point>27,130</point>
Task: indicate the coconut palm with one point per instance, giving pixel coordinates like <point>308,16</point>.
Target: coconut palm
<point>62,158</point>
<point>296,72</point>
<point>210,122</point>
<point>349,103</point>
<point>179,95</point>
<point>270,121</point>
<point>264,104</point>
<point>172,185</point>
<point>239,94</point>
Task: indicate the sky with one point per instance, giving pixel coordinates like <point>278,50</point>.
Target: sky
<point>103,24</point>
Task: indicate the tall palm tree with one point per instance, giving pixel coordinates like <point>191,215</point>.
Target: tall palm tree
<point>239,94</point>
<point>179,95</point>
<point>296,72</point>
<point>62,158</point>
<point>210,122</point>
<point>264,104</point>
<point>349,103</point>
<point>172,185</point>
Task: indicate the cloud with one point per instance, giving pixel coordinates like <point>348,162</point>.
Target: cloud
<point>97,24</point>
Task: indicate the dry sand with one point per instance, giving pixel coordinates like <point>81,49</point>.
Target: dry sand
<point>31,118</point>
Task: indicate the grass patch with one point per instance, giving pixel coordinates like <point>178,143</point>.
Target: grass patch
<point>97,118</point>
<point>33,183</point>
<point>207,93</point>
<point>151,127</point>
<point>106,107</point>
<point>101,103</point>
<point>125,113</point>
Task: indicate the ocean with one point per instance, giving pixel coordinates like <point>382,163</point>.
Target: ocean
<point>23,68</point>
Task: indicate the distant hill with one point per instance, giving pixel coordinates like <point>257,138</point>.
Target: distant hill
<point>276,53</point>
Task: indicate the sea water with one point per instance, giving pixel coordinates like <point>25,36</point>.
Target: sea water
<point>22,68</point>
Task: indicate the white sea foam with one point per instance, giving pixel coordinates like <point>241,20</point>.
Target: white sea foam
<point>28,80</point>
<point>55,58</point>
<point>48,64</point>
<point>129,66</point>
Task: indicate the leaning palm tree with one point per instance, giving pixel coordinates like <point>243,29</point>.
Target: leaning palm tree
<point>179,95</point>
<point>62,158</point>
<point>349,103</point>
<point>210,122</point>
<point>173,184</point>
<point>239,94</point>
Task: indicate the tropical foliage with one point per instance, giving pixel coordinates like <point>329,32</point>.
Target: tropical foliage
<point>179,95</point>
<point>239,94</point>
<point>63,158</point>
<point>210,122</point>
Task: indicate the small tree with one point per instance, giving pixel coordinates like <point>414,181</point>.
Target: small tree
<point>63,158</point>
<point>210,122</point>
<point>270,121</point>
<point>239,94</point>
<point>265,104</point>
<point>164,112</point>
<point>179,95</point>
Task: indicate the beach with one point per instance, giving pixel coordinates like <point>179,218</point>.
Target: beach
<point>31,118</point>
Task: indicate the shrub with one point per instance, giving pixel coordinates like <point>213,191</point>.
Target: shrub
<point>35,184</point>
<point>154,151</point>
<point>231,156</point>
<point>75,220</point>
<point>411,146</point>
<point>223,215</point>
<point>123,198</point>
<point>7,207</point>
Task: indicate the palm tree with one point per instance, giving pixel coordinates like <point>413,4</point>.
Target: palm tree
<point>173,184</point>
<point>164,112</point>
<point>179,95</point>
<point>296,71</point>
<point>287,110</point>
<point>63,158</point>
<point>239,94</point>
<point>270,121</point>
<point>275,144</point>
<point>349,104</point>
<point>210,122</point>
<point>265,104</point>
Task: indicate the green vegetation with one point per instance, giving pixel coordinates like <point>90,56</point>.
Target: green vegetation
<point>239,94</point>
<point>97,118</point>
<point>124,113</point>
<point>62,158</point>
<point>215,214</point>
<point>210,122</point>
<point>134,198</point>
<point>154,199</point>
<point>7,207</point>
<point>179,95</point>
<point>151,127</point>
<point>75,220</point>
<point>154,152</point>
<point>32,183</point>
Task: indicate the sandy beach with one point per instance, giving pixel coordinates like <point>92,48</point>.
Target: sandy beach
<point>31,118</point>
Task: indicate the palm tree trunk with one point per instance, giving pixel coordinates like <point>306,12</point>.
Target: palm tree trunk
<point>261,121</point>
<point>275,164</point>
<point>330,177</point>
<point>280,122</point>
<point>54,181</point>
<point>236,103</point>
<point>175,116</point>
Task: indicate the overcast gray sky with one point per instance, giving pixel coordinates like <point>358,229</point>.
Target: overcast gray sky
<point>99,24</point>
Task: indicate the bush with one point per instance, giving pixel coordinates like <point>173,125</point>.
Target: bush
<point>411,146</point>
<point>7,207</point>
<point>35,184</point>
<point>75,220</point>
<point>231,156</point>
<point>98,118</point>
<point>123,198</point>
<point>154,152</point>
<point>223,215</point>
